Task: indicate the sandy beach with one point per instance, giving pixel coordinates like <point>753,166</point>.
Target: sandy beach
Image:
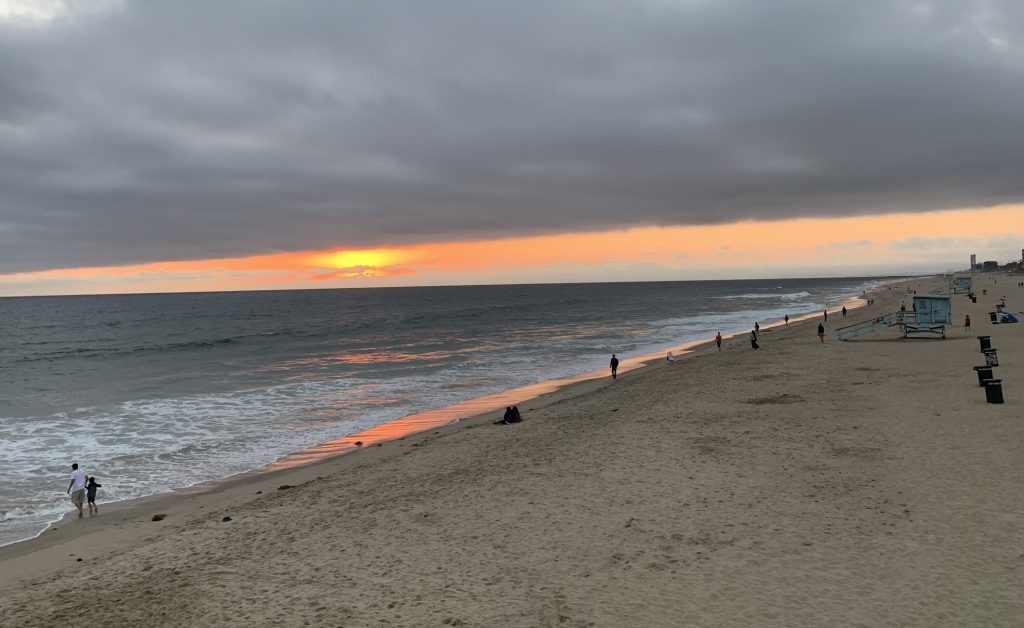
<point>861,483</point>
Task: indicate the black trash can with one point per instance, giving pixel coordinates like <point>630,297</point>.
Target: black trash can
<point>994,390</point>
<point>986,342</point>
<point>992,317</point>
<point>984,372</point>
<point>991,357</point>
<point>974,299</point>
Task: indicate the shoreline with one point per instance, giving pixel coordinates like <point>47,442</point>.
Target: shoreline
<point>300,467</point>
<point>862,482</point>
<point>473,410</point>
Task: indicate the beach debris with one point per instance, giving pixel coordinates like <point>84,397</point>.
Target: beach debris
<point>629,524</point>
<point>380,444</point>
<point>259,492</point>
<point>159,516</point>
<point>615,409</point>
<point>78,560</point>
<point>358,443</point>
<point>285,487</point>
<point>225,519</point>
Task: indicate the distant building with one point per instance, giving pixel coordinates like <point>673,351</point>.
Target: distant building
<point>974,261</point>
<point>989,265</point>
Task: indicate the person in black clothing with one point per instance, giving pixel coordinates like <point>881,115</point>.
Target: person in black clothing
<point>821,333</point>
<point>753,339</point>
<point>614,366</point>
<point>90,494</point>
<point>505,419</point>
<point>844,311</point>
<point>511,416</point>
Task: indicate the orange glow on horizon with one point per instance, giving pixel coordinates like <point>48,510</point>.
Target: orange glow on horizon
<point>735,249</point>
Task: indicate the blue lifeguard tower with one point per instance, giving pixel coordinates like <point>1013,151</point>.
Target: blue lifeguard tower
<point>932,312</point>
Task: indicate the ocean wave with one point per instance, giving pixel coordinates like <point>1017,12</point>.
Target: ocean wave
<point>786,296</point>
<point>104,352</point>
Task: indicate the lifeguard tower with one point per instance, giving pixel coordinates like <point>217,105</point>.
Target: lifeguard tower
<point>928,319</point>
<point>963,285</point>
<point>932,312</point>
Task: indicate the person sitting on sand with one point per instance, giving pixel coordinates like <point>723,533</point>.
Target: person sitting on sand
<point>505,419</point>
<point>670,358</point>
<point>90,493</point>
<point>516,417</point>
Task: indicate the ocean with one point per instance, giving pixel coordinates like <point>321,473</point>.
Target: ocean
<point>157,392</point>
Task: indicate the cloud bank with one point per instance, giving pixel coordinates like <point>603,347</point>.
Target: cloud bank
<point>135,131</point>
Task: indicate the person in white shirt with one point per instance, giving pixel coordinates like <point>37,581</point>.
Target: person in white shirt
<point>76,489</point>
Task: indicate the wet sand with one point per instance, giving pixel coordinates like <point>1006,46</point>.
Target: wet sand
<point>856,483</point>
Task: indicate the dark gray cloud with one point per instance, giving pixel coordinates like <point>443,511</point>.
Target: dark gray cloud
<point>177,130</point>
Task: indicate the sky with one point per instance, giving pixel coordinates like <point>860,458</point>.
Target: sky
<point>251,144</point>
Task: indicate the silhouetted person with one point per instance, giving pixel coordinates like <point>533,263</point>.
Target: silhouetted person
<point>516,417</point>
<point>614,366</point>
<point>718,340</point>
<point>844,311</point>
<point>753,340</point>
<point>506,418</point>
<point>967,321</point>
<point>821,333</point>
<point>787,320</point>
<point>826,315</point>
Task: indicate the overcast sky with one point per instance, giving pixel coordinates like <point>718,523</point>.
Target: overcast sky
<point>133,132</point>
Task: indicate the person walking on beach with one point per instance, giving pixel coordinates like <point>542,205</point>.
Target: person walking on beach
<point>787,320</point>
<point>76,489</point>
<point>718,340</point>
<point>821,333</point>
<point>614,366</point>
<point>757,328</point>
<point>826,314</point>
<point>90,494</point>
<point>753,340</point>
<point>967,322</point>
<point>844,311</point>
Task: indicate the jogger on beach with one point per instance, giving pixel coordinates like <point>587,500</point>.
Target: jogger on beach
<point>614,366</point>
